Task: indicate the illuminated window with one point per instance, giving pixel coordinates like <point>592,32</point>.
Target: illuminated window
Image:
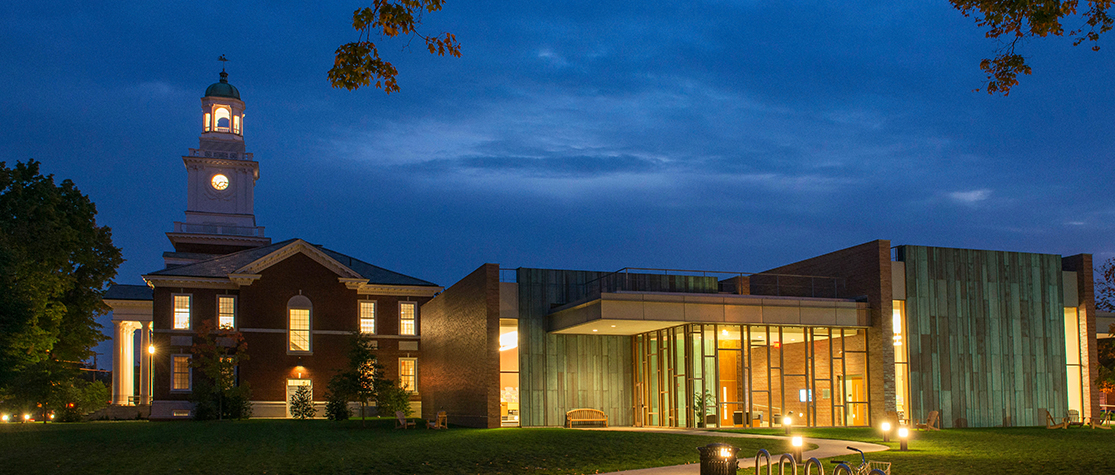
<point>408,374</point>
<point>235,124</point>
<point>299,312</point>
<point>180,373</point>
<point>407,313</point>
<point>226,311</point>
<point>222,116</point>
<point>182,312</point>
<point>367,316</point>
<point>206,125</point>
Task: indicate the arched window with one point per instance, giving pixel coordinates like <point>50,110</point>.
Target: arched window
<point>236,124</point>
<point>300,314</point>
<point>207,125</point>
<point>222,115</point>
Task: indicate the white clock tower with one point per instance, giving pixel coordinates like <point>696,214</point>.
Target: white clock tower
<point>220,183</point>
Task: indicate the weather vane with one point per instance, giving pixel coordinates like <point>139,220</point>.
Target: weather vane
<point>223,60</point>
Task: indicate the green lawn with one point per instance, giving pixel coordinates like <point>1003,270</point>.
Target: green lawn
<point>323,447</point>
<point>982,451</point>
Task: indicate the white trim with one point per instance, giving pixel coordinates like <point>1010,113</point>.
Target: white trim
<point>399,290</point>
<point>309,325</point>
<point>298,246</point>
<point>190,282</point>
<point>235,309</point>
<point>189,311</point>
<point>360,316</point>
<point>415,360</point>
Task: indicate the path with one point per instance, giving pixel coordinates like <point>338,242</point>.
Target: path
<point>825,448</point>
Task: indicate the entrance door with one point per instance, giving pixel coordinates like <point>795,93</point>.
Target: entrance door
<point>292,386</point>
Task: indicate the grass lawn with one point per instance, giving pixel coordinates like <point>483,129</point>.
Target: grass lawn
<point>324,447</point>
<point>981,451</point>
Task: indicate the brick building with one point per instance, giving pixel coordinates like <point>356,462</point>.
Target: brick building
<point>294,302</point>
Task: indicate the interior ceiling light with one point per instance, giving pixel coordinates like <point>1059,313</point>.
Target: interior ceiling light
<point>508,340</point>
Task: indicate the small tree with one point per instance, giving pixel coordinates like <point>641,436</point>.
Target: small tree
<point>336,399</point>
<point>357,381</point>
<point>215,355</point>
<point>302,403</point>
<point>391,398</point>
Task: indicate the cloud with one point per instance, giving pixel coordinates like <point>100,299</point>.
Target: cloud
<point>970,197</point>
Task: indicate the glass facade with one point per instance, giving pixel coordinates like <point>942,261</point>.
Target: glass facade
<point>751,376</point>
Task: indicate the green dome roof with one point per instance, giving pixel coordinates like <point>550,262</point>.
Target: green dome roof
<point>222,88</point>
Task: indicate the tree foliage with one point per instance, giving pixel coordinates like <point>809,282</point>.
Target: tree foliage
<point>1012,22</point>
<point>357,381</point>
<point>54,264</point>
<point>357,64</point>
<point>215,354</point>
<point>1105,348</point>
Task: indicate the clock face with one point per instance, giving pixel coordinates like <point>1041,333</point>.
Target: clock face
<point>219,182</point>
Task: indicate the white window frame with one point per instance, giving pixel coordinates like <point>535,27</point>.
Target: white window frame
<point>414,387</point>
<point>174,323</point>
<point>189,374</point>
<point>413,320</point>
<point>220,316</point>
<point>300,302</point>
<point>362,319</point>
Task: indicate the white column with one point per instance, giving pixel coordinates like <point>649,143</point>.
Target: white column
<point>144,363</point>
<point>123,363</point>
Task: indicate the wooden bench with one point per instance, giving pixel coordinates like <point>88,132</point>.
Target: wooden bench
<point>585,415</point>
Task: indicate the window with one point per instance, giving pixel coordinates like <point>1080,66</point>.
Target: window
<point>222,116</point>
<point>368,316</point>
<point>408,374</point>
<point>226,311</point>
<point>208,117</point>
<point>407,314</point>
<point>182,312</point>
<point>299,312</point>
<point>236,124</point>
<point>180,373</point>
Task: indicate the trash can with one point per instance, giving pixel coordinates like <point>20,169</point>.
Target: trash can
<point>718,459</point>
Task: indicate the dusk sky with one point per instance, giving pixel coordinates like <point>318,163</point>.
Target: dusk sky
<point>732,136</point>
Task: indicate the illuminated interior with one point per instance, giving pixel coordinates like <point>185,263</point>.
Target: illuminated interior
<point>901,360</point>
<point>223,116</point>
<point>751,376</point>
<point>509,372</point>
<point>1072,360</point>
<point>206,124</point>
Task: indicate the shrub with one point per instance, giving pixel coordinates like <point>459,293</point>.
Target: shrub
<point>336,407</point>
<point>391,398</point>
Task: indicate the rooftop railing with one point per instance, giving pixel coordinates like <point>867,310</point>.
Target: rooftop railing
<point>220,229</point>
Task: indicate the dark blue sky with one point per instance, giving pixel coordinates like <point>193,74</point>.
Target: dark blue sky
<point>590,135</point>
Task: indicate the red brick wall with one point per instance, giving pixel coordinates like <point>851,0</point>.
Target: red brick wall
<point>263,305</point>
<point>460,334</point>
<point>866,272</point>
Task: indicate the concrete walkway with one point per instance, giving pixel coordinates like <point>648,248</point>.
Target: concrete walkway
<point>825,448</point>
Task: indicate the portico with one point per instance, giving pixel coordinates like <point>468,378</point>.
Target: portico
<point>131,311</point>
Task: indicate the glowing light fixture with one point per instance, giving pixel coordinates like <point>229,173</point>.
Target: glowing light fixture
<point>725,453</point>
<point>903,434</point>
<point>797,443</point>
<point>150,349</point>
<point>787,422</point>
<point>886,431</point>
<point>220,182</point>
<point>509,340</point>
<point>27,417</point>
<point>4,418</point>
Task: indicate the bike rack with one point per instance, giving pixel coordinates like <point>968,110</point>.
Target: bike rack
<point>763,453</point>
<point>844,467</point>
<point>782,464</point>
<point>813,461</point>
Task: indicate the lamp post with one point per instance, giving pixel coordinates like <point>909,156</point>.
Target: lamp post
<point>797,443</point>
<point>886,431</point>
<point>787,423</point>
<point>903,434</point>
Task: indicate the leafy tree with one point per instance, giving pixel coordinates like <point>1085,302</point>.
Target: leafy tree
<point>74,401</point>
<point>216,353</point>
<point>302,403</point>
<point>1014,21</point>
<point>357,381</point>
<point>54,264</point>
<point>357,63</point>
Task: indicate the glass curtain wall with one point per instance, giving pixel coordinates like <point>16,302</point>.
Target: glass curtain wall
<point>751,376</point>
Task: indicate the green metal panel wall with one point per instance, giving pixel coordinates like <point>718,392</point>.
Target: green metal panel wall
<point>562,372</point>
<point>985,335</point>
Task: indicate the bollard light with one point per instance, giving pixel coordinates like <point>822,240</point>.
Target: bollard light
<point>797,443</point>
<point>787,422</point>
<point>4,418</point>
<point>903,434</point>
<point>886,431</point>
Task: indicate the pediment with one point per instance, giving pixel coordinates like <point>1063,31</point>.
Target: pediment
<point>252,271</point>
